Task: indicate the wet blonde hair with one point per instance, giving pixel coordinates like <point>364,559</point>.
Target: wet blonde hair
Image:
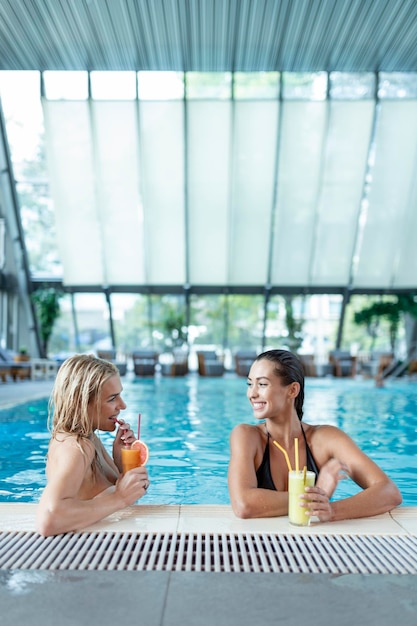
<point>76,394</point>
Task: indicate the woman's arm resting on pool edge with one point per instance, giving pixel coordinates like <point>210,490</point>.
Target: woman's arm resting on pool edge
<point>60,509</point>
<point>379,494</point>
<point>246,498</point>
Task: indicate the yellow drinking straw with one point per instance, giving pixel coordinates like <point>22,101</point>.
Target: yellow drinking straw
<point>304,474</point>
<point>284,452</point>
<point>297,467</point>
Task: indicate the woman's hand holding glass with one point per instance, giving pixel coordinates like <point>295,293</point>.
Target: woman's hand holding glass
<point>317,499</point>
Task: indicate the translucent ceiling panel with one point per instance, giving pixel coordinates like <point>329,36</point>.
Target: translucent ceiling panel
<point>92,155</point>
<point>117,191</point>
<point>299,170</point>
<point>254,157</point>
<point>162,168</point>
<point>341,189</point>
<point>69,151</point>
<point>208,191</point>
<point>406,269</point>
<point>386,238</point>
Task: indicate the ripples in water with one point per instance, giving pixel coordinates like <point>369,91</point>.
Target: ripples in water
<point>186,423</point>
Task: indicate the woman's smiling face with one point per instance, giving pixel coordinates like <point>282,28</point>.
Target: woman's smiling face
<point>110,406</point>
<point>266,393</point>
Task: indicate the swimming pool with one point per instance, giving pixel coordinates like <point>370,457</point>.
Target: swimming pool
<point>187,421</point>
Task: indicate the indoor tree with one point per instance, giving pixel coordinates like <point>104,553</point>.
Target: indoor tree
<point>390,310</point>
<point>46,300</point>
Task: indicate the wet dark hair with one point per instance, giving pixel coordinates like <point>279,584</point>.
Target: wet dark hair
<point>289,368</point>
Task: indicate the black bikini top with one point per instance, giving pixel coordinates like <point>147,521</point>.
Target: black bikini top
<point>263,473</point>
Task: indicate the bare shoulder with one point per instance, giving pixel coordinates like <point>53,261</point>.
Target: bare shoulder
<point>328,441</point>
<point>67,445</point>
<point>322,432</point>
<point>246,437</point>
<point>246,431</point>
<point>246,443</point>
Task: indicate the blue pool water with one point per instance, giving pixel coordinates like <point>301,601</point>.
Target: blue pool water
<point>187,421</point>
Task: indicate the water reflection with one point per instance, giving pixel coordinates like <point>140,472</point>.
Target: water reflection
<point>187,423</point>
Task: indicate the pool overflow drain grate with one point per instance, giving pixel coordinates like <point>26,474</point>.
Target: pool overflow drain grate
<point>205,552</point>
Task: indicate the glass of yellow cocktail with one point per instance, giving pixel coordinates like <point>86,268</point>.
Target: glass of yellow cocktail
<point>297,482</point>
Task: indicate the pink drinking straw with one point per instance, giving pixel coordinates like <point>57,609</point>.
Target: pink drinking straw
<point>139,416</point>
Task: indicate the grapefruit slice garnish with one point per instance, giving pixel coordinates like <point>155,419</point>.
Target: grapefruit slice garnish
<point>144,452</point>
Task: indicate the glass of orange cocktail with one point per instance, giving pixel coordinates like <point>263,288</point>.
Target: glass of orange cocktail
<point>136,454</point>
<point>130,459</point>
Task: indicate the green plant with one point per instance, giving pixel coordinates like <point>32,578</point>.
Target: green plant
<point>391,310</point>
<point>173,324</point>
<point>294,338</point>
<point>46,300</point>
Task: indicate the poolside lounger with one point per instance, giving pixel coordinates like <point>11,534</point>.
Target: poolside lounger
<point>243,361</point>
<point>110,355</point>
<point>177,365</point>
<point>209,364</point>
<point>4,371</point>
<point>145,362</point>
<point>13,366</point>
<point>375,364</point>
<point>343,363</point>
<point>309,364</point>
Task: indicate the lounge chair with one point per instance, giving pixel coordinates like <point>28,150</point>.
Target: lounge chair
<point>308,364</point>
<point>343,363</point>
<point>243,361</point>
<point>209,364</point>
<point>110,355</point>
<point>375,364</point>
<point>43,369</point>
<point>145,362</point>
<point>13,366</point>
<point>4,371</point>
<point>177,365</point>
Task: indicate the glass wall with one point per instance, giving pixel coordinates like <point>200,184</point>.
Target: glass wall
<point>132,319</point>
<point>140,183</point>
<point>225,323</point>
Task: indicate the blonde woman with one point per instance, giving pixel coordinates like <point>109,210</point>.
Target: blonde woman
<point>84,484</point>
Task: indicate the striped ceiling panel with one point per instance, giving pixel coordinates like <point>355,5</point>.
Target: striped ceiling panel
<point>209,35</point>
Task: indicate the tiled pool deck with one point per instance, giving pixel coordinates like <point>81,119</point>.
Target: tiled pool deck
<point>49,588</point>
<point>218,519</point>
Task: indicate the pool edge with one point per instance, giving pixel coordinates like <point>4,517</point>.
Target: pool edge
<point>215,519</point>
